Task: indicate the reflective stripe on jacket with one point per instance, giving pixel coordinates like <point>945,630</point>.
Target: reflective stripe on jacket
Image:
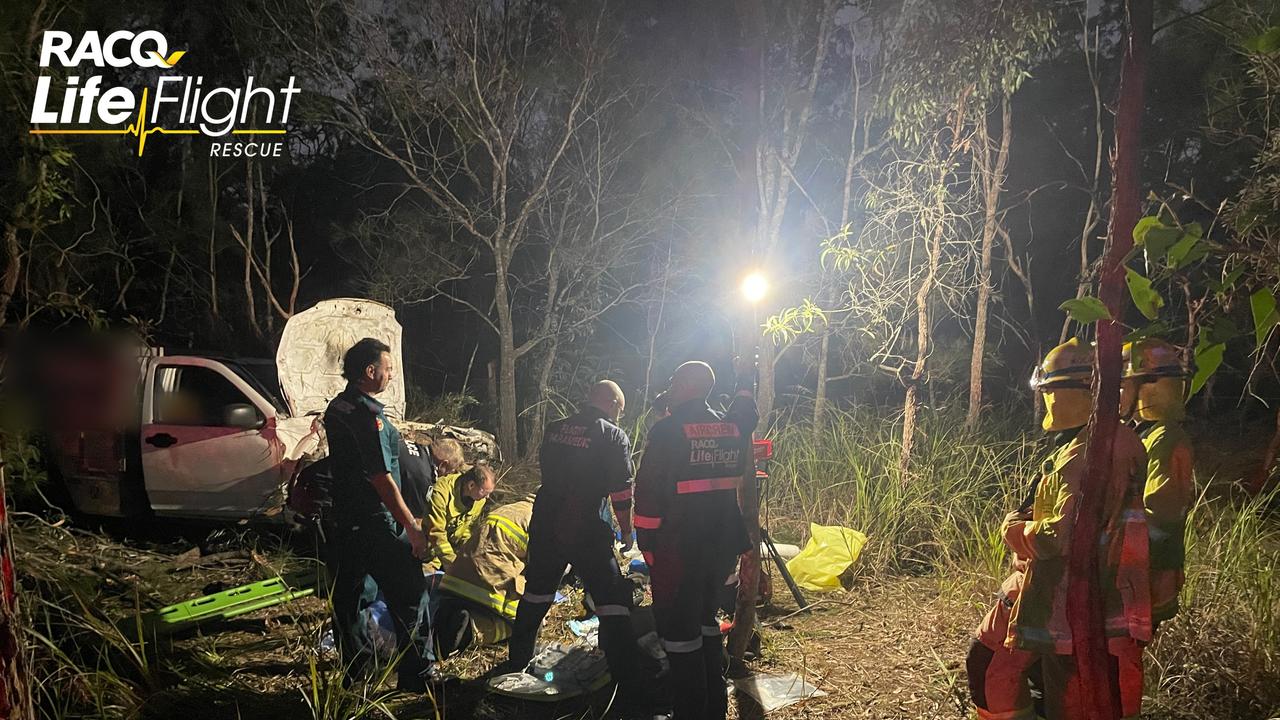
<point>1169,493</point>
<point>1039,619</point>
<point>489,568</point>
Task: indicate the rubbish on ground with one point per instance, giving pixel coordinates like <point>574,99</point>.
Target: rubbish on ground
<point>777,691</point>
<point>558,672</point>
<point>827,557</point>
<point>785,550</point>
<point>587,629</point>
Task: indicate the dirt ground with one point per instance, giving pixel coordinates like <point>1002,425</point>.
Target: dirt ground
<point>902,663</point>
<point>890,648</point>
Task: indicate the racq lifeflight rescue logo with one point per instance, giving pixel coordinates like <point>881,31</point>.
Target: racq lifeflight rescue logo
<point>177,104</point>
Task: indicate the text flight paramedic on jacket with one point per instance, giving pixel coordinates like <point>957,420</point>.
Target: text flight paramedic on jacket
<point>690,528</point>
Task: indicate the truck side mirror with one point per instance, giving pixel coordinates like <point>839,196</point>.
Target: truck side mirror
<point>242,415</point>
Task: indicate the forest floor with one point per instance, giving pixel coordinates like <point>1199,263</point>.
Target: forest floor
<point>889,648</point>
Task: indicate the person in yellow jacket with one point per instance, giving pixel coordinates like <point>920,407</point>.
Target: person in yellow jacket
<point>457,501</point>
<point>482,588</point>
<point>1151,394</point>
<point>1028,623</point>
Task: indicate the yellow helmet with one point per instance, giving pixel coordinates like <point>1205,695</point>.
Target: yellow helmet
<point>1152,358</point>
<point>1064,377</point>
<point>1154,368</point>
<point>1068,365</point>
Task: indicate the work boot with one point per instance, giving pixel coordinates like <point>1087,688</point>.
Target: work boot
<point>417,683</point>
<point>713,659</point>
<point>453,633</point>
<point>688,686</point>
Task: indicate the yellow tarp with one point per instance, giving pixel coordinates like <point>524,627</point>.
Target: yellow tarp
<point>831,551</point>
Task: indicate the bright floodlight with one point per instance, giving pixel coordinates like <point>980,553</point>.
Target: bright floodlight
<point>754,287</point>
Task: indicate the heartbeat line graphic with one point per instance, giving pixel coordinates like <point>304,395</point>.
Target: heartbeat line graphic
<point>140,130</point>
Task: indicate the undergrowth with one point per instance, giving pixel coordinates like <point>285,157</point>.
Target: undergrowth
<point>1219,658</point>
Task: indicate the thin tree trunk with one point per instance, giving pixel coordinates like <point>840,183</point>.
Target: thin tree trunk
<point>1263,473</point>
<point>213,224</point>
<point>751,16</point>
<point>539,424</point>
<point>1084,593</point>
<point>15,686</point>
<point>248,250</point>
<point>1091,216</point>
<point>993,188</point>
<point>655,326</point>
<point>12,268</point>
<point>507,429</point>
<point>911,403</point>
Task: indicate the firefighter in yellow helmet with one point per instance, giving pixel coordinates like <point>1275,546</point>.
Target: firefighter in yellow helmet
<point>1028,623</point>
<point>1151,394</point>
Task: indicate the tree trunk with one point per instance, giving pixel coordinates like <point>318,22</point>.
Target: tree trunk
<point>1084,594</point>
<point>213,223</point>
<point>248,250</point>
<point>911,404</point>
<point>1263,473</point>
<point>507,438</point>
<point>539,423</point>
<point>12,268</point>
<point>820,393</point>
<point>992,178</point>
<point>15,687</point>
<point>751,17</point>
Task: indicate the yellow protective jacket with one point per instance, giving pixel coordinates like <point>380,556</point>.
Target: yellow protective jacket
<point>489,570</point>
<point>1038,621</point>
<point>1168,496</point>
<point>449,519</point>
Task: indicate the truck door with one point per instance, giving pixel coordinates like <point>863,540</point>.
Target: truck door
<point>209,444</point>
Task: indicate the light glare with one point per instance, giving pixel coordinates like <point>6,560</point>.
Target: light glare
<point>754,287</point>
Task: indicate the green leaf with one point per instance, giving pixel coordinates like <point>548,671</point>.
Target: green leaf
<point>1267,42</point>
<point>1147,300</point>
<point>1187,250</point>
<point>1158,242</point>
<point>1143,226</point>
<point>1156,329</point>
<point>1265,317</point>
<point>1223,330</point>
<point>1227,283</point>
<point>1208,359</point>
<point>1085,310</point>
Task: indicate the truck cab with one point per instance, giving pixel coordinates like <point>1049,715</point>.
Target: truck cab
<point>139,431</point>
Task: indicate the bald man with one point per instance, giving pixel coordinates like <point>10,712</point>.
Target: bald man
<point>690,529</point>
<point>584,458</point>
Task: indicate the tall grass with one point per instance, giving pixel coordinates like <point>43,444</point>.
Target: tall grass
<point>1219,658</point>
<point>943,515</point>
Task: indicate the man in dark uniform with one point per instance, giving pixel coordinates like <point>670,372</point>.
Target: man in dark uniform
<point>585,457</point>
<point>690,529</point>
<point>372,532</point>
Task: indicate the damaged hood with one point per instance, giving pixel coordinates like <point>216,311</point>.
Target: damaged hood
<point>309,359</point>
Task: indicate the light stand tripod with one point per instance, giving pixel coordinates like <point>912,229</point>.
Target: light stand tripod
<point>763,452</point>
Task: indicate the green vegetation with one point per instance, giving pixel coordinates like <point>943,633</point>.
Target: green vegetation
<point>1219,658</point>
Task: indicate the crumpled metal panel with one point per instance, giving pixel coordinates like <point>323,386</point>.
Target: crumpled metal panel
<point>309,358</point>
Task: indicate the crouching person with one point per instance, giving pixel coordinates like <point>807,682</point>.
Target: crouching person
<point>482,587</point>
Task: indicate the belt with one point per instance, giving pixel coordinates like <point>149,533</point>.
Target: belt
<point>703,485</point>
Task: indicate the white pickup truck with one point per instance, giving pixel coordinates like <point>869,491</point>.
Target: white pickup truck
<point>212,437</point>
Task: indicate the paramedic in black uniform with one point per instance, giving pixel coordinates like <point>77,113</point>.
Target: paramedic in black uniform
<point>690,529</point>
<point>373,532</point>
<point>584,459</point>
